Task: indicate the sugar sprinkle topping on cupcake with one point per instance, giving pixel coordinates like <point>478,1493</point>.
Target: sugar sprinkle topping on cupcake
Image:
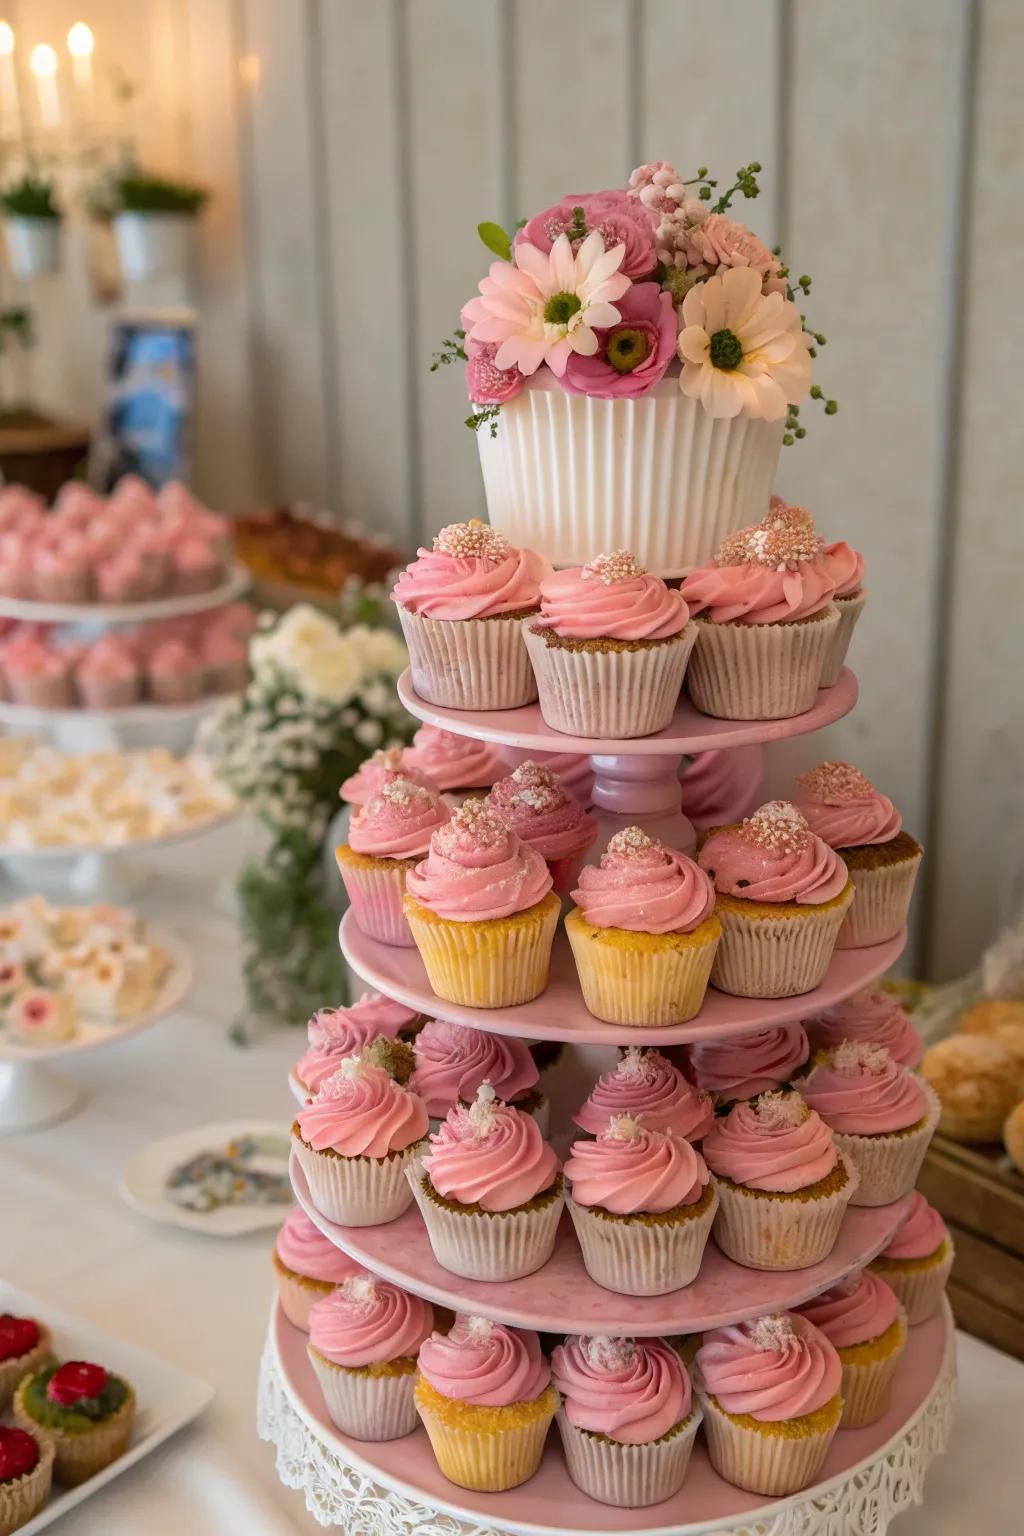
<point>536,786</point>
<point>360,1290</point>
<point>479,1327</point>
<point>779,542</point>
<point>777,826</point>
<point>401,790</point>
<point>778,1110</point>
<point>479,1117</point>
<point>617,565</point>
<point>630,843</point>
<point>637,1066</point>
<point>607,1353</point>
<point>835,783</point>
<point>623,1128</point>
<point>473,540</point>
<point>774,1331</point>
<point>855,1056</point>
<point>474,821</point>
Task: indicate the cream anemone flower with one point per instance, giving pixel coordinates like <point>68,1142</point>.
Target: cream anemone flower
<point>743,351</point>
<point>549,304</point>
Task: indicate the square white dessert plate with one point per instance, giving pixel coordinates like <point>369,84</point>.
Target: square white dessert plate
<point>143,1183</point>
<point>166,1398</point>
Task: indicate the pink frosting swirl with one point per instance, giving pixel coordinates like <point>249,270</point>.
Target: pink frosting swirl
<point>335,1033</point>
<point>453,762</point>
<point>366,1321</point>
<point>743,1066</point>
<point>611,598</point>
<point>632,1390</point>
<point>362,1112</point>
<point>872,1015</point>
<point>845,566</point>
<point>859,1090</point>
<point>921,1232</point>
<point>774,1143</point>
<point>770,572</point>
<point>854,1311</point>
<point>721,786</point>
<point>472,572</point>
<point>775,1368</point>
<point>647,1086</point>
<point>532,801</point>
<point>630,1169</point>
<point>453,1060</point>
<point>491,1155</point>
<point>774,856</point>
<point>843,809</point>
<point>304,1249</point>
<point>642,886</point>
<point>484,1363</point>
<point>398,821</point>
<point>477,869</point>
<point>381,769</point>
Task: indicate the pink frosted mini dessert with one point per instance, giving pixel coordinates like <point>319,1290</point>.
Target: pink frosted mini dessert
<point>461,768</point>
<point>644,932</point>
<point>454,1060</point>
<point>846,567</point>
<point>61,570</point>
<point>643,1204</point>
<point>371,776</point>
<point>781,896</point>
<point>225,660</point>
<point>863,1319</point>
<point>174,673</point>
<point>386,837</point>
<point>490,1191</point>
<point>627,1418</point>
<point>308,1267</point>
<point>870,1015</point>
<point>482,912</point>
<point>882,1116</point>
<point>533,802</point>
<point>770,1391</point>
<point>843,809</point>
<point>917,1262</point>
<point>355,1138</point>
<point>743,1066</point>
<point>108,676</point>
<point>461,604</point>
<point>335,1033</point>
<point>124,576</point>
<point>38,674</point>
<point>609,649</point>
<point>783,1186</point>
<point>647,1086</point>
<point>363,1342</point>
<point>196,564</point>
<point>766,622</point>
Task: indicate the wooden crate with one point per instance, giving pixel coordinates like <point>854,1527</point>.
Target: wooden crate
<point>981,1197</point>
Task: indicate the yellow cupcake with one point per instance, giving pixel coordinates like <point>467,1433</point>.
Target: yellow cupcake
<point>496,962</point>
<point>642,978</point>
<point>482,1448</point>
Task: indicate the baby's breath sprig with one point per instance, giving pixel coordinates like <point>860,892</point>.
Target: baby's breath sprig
<point>451,350</point>
<point>746,184</point>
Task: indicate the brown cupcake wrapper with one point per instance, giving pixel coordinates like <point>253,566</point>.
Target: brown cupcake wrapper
<point>76,1458</point>
<point>867,1389</point>
<point>763,1233</point>
<point>23,1497</point>
<point>881,901</point>
<point>850,610</point>
<point>364,1406</point>
<point>468,663</point>
<point>358,1191</point>
<point>759,1461</point>
<point>636,1258</point>
<point>609,694</point>
<point>889,1165</point>
<point>776,956</point>
<point>480,1245</point>
<point>628,1476</point>
<point>919,1291</point>
<point>760,671</point>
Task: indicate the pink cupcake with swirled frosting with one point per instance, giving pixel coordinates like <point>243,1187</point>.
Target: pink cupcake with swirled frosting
<point>574,770</point>
<point>334,1033</point>
<point>918,1261</point>
<point>863,1318</point>
<point>765,619</point>
<point>454,1060</point>
<point>646,1085</point>
<point>462,604</point>
<point>364,1340</point>
<point>783,1186</point>
<point>626,1418</point>
<point>846,567</point>
<point>881,1114</point>
<point>770,1391</point>
<point>482,912</point>
<point>382,768</point>
<point>386,838</point>
<point>642,1203</point>
<point>844,809</point>
<point>532,801</point>
<point>782,895</point>
<point>644,932</point>
<point>308,1266</point>
<point>355,1138</point>
<point>609,649</point>
<point>871,1015</point>
<point>460,767</point>
<point>742,1066</point>
<point>489,1189</point>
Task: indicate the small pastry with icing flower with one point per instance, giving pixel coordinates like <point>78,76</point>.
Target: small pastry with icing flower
<point>363,1342</point>
<point>26,1473</point>
<point>83,1412</point>
<point>386,838</point>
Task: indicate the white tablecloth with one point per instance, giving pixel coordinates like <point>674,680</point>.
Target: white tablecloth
<point>203,1302</point>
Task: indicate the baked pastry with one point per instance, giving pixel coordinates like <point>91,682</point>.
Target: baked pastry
<point>26,1471</point>
<point>863,1318</point>
<point>334,1033</point>
<point>870,1015</point>
<point>742,1066</point>
<point>534,803</point>
<point>83,1411</point>
<point>459,766</point>
<point>917,1262</point>
<point>646,1085</point>
<point>978,1081</point>
<point>308,1267</point>
<point>386,838</point>
<point>453,1061</point>
<point>363,1342</point>
<point>25,1346</point>
<point>1013,1136</point>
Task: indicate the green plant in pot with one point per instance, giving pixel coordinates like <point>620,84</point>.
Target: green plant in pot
<point>32,220</point>
<point>154,224</point>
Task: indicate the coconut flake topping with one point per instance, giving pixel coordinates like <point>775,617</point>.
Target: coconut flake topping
<point>618,565</point>
<point>473,540</point>
<point>835,783</point>
<point>778,827</point>
<point>775,1331</point>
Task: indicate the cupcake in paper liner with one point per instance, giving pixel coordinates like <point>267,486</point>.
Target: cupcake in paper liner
<point>646,1085</point>
<point>609,649</point>
<point>26,1472</point>
<point>25,1347</point>
<point>334,1033</point>
<point>307,1267</point>
<point>781,897</point>
<point>870,1015</point>
<point>485,1397</point>
<point>846,567</point>
<point>82,1411</point>
<point>917,1263</point>
<point>386,839</point>
<point>882,1116</point>
<point>363,1342</point>
<point>743,1066</point>
<point>489,1191</point>
<point>770,1391</point>
<point>534,803</point>
<point>642,1204</point>
<point>380,768</point>
<point>354,1140</point>
<point>482,912</point>
<point>841,807</point>
<point>452,1061</point>
<point>459,766</point>
<point>862,1317</point>
<point>627,1419</point>
<point>461,606</point>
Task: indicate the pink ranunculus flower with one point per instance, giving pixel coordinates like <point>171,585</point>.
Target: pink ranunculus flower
<point>486,384</point>
<point>726,243</point>
<point>632,355</point>
<point>618,218</point>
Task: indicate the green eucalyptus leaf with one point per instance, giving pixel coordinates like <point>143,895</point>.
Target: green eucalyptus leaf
<point>495,239</point>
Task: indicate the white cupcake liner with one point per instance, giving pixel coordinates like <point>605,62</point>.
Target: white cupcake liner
<point>481,1245</point>
<point>643,986</point>
<point>468,663</point>
<point>375,894</point>
<point>571,476</point>
<point>776,1234</point>
<point>776,956</point>
<point>628,1476</point>
<point>759,1460</point>
<point>881,901</point>
<point>297,1294</point>
<point>760,671</point>
<point>637,1258</point>
<point>867,1389</point>
<point>465,964</point>
<point>364,1406</point>
<point>23,1497</point>
<point>358,1191</point>
<point>919,1291</point>
<point>850,610</point>
<point>609,694</point>
<point>889,1165</point>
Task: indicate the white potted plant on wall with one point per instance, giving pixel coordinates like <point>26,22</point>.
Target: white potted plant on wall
<point>33,225</point>
<point>154,225</point>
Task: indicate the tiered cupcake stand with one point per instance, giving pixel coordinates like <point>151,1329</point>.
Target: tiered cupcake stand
<point>395,1488</point>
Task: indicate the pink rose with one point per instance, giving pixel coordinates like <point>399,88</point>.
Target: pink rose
<point>485,383</point>
<point>618,218</point>
<point>727,244</point>
<point>632,356</point>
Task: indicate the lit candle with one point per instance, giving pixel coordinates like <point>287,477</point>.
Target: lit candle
<point>43,64</point>
<point>10,100</point>
<point>80,46</point>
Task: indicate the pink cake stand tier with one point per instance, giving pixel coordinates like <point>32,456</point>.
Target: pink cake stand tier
<point>562,1298</point>
<point>559,1012</point>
